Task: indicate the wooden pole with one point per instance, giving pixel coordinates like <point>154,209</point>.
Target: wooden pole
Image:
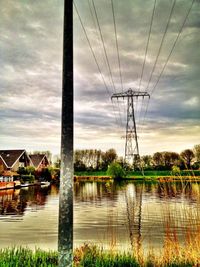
<point>65,232</point>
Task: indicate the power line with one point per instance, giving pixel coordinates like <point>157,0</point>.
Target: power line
<point>145,56</point>
<point>107,90</point>
<point>103,45</point>
<point>158,54</point>
<point>117,47</point>
<point>113,107</point>
<point>116,40</point>
<point>119,124</point>
<point>145,113</point>
<point>175,42</point>
<point>95,23</point>
<point>179,33</point>
<point>107,60</point>
<point>161,44</point>
<point>147,45</point>
<point>93,53</point>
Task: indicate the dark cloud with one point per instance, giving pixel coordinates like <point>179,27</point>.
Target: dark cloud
<point>31,70</point>
<point>175,100</point>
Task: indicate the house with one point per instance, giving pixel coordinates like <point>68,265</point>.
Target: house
<point>13,159</point>
<point>39,161</point>
<point>2,165</point>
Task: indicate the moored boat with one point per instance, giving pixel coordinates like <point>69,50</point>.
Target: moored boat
<point>45,183</point>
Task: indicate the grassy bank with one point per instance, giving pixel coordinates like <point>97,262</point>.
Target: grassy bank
<point>164,173</point>
<point>24,257</point>
<point>91,173</point>
<point>91,256</point>
<point>138,174</point>
<point>94,257</point>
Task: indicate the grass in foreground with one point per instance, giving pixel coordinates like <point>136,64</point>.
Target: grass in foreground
<point>24,257</point>
<point>91,256</point>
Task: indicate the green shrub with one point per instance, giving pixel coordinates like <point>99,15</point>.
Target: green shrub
<point>176,170</point>
<point>22,170</point>
<point>115,170</point>
<point>27,178</point>
<point>196,166</point>
<point>30,170</point>
<point>26,170</point>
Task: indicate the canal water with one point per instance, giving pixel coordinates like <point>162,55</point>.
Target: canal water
<point>112,215</point>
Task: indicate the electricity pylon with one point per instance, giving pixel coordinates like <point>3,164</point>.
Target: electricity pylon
<point>131,130</point>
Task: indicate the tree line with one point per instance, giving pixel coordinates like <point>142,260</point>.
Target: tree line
<point>96,160</point>
<point>93,159</point>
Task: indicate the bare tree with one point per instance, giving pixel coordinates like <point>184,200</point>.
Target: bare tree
<point>187,155</point>
<point>108,157</point>
<point>197,152</point>
<point>146,161</point>
<point>158,158</point>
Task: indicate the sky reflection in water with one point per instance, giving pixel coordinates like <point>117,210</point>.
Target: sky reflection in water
<point>114,215</point>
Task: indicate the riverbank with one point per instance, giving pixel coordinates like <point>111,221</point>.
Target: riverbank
<point>161,176</point>
<point>138,173</point>
<point>17,185</point>
<point>90,256</point>
<point>161,179</point>
<point>172,255</point>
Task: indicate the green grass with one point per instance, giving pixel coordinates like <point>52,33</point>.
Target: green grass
<point>108,261</point>
<point>155,173</point>
<point>152,173</point>
<point>91,173</point>
<point>24,257</point>
<point>85,256</point>
<point>92,256</point>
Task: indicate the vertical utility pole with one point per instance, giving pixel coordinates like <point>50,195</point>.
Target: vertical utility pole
<point>131,130</point>
<point>65,233</point>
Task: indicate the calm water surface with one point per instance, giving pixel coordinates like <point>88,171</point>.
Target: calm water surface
<point>114,215</point>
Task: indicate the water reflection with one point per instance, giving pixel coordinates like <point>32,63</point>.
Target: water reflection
<point>92,191</point>
<point>29,217</point>
<point>124,215</point>
<point>15,202</point>
<point>186,190</point>
<point>132,215</point>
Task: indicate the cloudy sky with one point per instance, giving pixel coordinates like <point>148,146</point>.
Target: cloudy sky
<point>31,74</point>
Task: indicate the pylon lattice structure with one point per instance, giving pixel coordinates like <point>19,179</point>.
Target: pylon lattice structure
<point>131,130</point>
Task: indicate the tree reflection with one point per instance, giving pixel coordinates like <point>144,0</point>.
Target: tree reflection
<point>133,211</point>
<point>15,202</point>
<point>177,190</point>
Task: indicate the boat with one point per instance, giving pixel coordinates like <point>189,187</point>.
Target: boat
<point>45,184</point>
<point>25,185</point>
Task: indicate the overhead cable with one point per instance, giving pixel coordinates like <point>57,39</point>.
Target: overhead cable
<point>145,56</point>
<point>161,44</point>
<point>117,47</point>
<point>147,45</point>
<point>95,58</point>
<point>103,45</point>
<point>175,42</point>
<point>93,53</point>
